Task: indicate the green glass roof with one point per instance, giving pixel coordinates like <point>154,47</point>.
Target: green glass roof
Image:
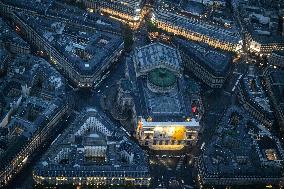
<point>162,77</point>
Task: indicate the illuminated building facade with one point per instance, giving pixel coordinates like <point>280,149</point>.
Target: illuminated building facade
<point>33,118</point>
<point>262,26</point>
<point>274,80</point>
<point>92,151</point>
<point>209,65</point>
<point>276,59</point>
<point>167,135</point>
<point>197,30</point>
<point>253,98</point>
<point>165,123</point>
<point>263,46</point>
<point>130,12</point>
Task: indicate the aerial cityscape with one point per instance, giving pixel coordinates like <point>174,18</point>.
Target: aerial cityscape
<point>158,94</point>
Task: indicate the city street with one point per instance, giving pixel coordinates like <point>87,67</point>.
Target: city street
<point>171,171</point>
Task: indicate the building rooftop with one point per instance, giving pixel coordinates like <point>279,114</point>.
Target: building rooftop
<point>236,149</point>
<point>217,61</point>
<point>24,74</point>
<point>90,130</point>
<point>193,7</point>
<point>67,12</point>
<point>31,115</point>
<point>8,35</point>
<point>261,21</point>
<point>3,56</point>
<point>86,51</point>
<point>36,6</point>
<point>157,55</point>
<point>162,77</point>
<point>130,4</point>
<point>192,123</point>
<point>161,86</point>
<point>277,85</point>
<point>81,17</point>
<point>163,105</point>
<point>253,88</point>
<point>203,27</point>
<point>33,92</point>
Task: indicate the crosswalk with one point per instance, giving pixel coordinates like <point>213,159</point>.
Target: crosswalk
<point>164,163</point>
<point>179,164</point>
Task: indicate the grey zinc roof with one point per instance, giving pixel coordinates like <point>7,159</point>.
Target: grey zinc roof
<point>217,61</point>
<point>78,163</point>
<point>155,54</point>
<point>98,45</point>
